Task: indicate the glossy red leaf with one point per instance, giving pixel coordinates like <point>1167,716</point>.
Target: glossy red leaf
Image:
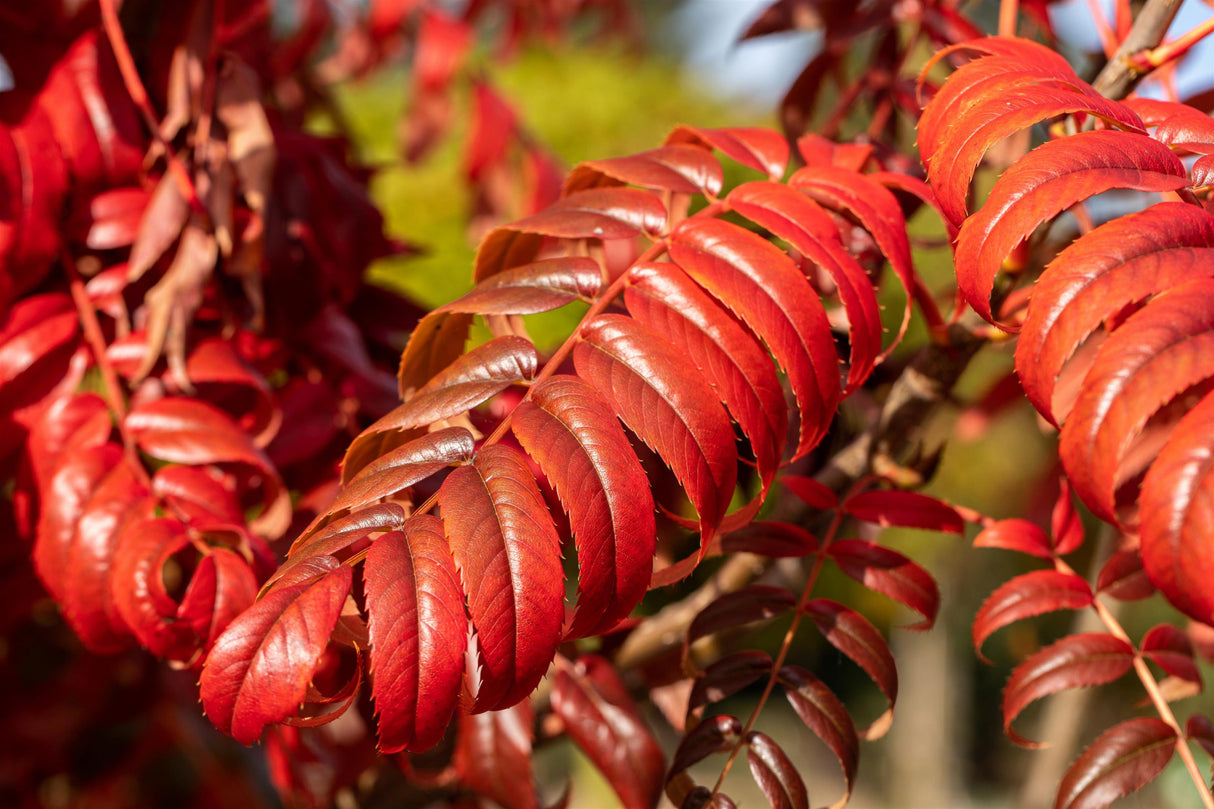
<point>88,601</point>
<point>1119,263</point>
<point>775,773</point>
<point>188,431</point>
<point>971,133</point>
<point>340,534</point>
<point>1027,595</point>
<point>683,169</point>
<point>602,719</point>
<point>532,288</point>
<point>436,342</point>
<point>222,587</point>
<point>578,443</point>
<point>418,632</point>
<point>65,495</point>
<point>394,472</point>
<point>1018,535</point>
<point>137,587</point>
<point>1122,576</point>
<point>877,210</point>
<point>904,509</point>
<point>884,570</point>
<point>799,220</point>
<point>1176,505</point>
<point>754,147</point>
<point>30,332</point>
<point>482,373</point>
<point>260,667</point>
<point>731,360</point>
<point>852,634</point>
<point>810,492</point>
<point>493,755</point>
<point>1046,182</point>
<point>214,367</point>
<point>668,405</point>
<point>1172,650</point>
<point>197,494</point>
<point>1066,526</point>
<point>1176,124</point>
<point>1123,759</point>
<point>597,213</point>
<point>761,284</point>
<point>1159,352</point>
<point>509,559</point>
<point>824,714</point>
<point>1076,661</point>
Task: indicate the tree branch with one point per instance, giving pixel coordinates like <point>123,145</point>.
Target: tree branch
<point>1120,75</point>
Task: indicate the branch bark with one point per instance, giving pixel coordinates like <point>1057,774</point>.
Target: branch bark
<point>1119,76</point>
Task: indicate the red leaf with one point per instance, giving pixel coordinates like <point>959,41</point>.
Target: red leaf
<point>259,669</point>
<point>1176,505</point>
<point>877,209</point>
<point>760,149</point>
<point>482,373</point>
<point>1172,651</point>
<point>493,755</point>
<point>1016,535</point>
<point>223,378</point>
<point>391,474</point>
<point>65,494</point>
<point>794,217</point>
<point>137,587</point>
<point>775,774</point>
<point>731,360</point>
<point>339,535</point>
<point>598,213</point>
<point>824,714</point>
<point>759,283</point>
<point>726,677</point>
<point>578,443</point>
<point>905,509</point>
<point>1123,577</point>
<point>850,633</point>
<point>809,491</point>
<point>771,539</point>
<point>602,719</point>
<point>888,572</point>
<point>1200,729</point>
<point>717,734</point>
<point>189,431</point>
<point>1043,184</point>
<point>437,341</point>
<point>1124,758</point>
<point>754,603</point>
<point>669,406</point>
<point>197,494</point>
<point>1027,595</point>
<point>1076,661</point>
<point>538,287</point>
<point>418,631</point>
<point>493,129</point>
<point>88,603</point>
<point>509,559</point>
<point>1018,106</point>
<point>682,169</point>
<point>1065,523</point>
<point>31,332</point>
<point>1162,349</point>
<point>222,587</point>
<point>1119,263</point>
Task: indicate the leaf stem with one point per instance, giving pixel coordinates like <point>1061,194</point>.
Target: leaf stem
<point>139,95</point>
<point>786,644</point>
<point>1120,74</point>
<point>1147,679</point>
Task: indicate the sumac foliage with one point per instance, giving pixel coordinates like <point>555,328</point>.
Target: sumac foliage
<point>401,548</point>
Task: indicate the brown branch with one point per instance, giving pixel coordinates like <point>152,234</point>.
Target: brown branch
<point>1121,74</point>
